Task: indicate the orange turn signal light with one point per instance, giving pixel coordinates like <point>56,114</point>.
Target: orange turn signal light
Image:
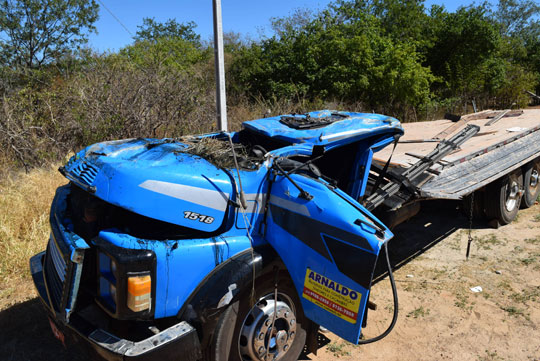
<point>139,293</point>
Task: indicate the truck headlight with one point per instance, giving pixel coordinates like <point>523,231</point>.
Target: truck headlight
<point>107,279</point>
<point>126,280</point>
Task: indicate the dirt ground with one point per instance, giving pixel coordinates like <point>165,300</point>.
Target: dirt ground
<point>440,318</point>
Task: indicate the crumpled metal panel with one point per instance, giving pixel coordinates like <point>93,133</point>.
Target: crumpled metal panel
<point>354,127</point>
<point>156,179</point>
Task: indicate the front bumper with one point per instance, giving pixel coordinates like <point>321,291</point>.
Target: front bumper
<point>178,341</point>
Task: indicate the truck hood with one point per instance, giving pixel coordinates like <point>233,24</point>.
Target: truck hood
<point>155,178</point>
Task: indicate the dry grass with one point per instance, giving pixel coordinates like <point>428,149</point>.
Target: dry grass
<point>217,152</point>
<point>25,200</point>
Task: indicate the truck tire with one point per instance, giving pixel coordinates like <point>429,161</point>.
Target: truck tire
<point>244,332</point>
<point>503,198</point>
<point>531,186</point>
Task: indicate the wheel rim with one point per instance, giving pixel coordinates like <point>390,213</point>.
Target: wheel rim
<point>258,341</point>
<point>512,195</point>
<point>533,182</point>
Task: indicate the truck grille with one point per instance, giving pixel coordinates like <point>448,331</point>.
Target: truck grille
<point>58,262</point>
<point>86,172</point>
<point>55,271</point>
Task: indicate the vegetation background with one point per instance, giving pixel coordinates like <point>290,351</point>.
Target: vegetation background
<point>394,57</point>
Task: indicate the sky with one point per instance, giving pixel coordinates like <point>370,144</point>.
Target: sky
<point>248,17</point>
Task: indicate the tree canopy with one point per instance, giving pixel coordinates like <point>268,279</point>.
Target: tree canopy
<point>35,32</point>
<point>153,31</point>
<point>392,55</point>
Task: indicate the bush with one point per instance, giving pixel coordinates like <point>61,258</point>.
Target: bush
<point>109,98</point>
<point>323,60</point>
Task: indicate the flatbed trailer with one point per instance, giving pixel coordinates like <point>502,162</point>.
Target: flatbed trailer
<point>493,154</point>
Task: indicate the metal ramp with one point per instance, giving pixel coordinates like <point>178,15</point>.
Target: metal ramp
<point>411,177</point>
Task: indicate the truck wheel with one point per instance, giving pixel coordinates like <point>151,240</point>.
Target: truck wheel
<point>531,186</point>
<point>252,337</point>
<point>503,198</point>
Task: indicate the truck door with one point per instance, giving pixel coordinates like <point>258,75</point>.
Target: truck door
<point>330,246</point>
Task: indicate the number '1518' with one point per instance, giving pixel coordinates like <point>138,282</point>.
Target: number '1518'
<point>198,217</point>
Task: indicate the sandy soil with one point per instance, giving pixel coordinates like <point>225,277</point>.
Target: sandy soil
<point>440,318</point>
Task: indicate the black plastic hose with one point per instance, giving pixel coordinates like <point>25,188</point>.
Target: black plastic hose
<point>396,306</point>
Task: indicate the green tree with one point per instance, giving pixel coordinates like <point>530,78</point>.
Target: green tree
<point>336,58</point>
<point>517,17</point>
<point>519,22</point>
<point>153,31</point>
<point>464,41</point>
<point>162,45</point>
<point>170,52</point>
<point>36,32</point>
<point>402,20</point>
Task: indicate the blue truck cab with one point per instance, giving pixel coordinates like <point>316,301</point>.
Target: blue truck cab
<point>223,246</point>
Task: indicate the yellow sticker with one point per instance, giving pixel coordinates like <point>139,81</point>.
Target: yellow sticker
<point>332,296</point>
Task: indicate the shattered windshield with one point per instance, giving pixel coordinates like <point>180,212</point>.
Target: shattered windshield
<point>249,147</point>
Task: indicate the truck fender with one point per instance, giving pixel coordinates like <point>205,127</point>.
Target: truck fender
<point>223,286</point>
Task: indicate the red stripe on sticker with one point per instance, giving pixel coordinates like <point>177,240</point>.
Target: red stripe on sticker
<point>330,304</point>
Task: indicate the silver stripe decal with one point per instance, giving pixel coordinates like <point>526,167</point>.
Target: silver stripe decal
<point>290,205</point>
<point>255,202</point>
<point>342,135</point>
<point>205,197</point>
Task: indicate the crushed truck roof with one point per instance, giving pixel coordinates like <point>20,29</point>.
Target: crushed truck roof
<point>325,127</point>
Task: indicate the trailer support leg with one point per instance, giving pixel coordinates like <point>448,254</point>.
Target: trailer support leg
<point>469,241</point>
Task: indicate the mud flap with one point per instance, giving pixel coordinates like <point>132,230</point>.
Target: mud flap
<point>330,246</point>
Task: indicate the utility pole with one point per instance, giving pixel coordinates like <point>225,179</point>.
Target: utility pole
<point>221,100</point>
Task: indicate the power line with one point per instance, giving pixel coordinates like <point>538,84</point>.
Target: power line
<point>115,18</point>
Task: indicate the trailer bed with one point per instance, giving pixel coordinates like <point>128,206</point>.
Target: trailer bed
<point>497,149</point>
